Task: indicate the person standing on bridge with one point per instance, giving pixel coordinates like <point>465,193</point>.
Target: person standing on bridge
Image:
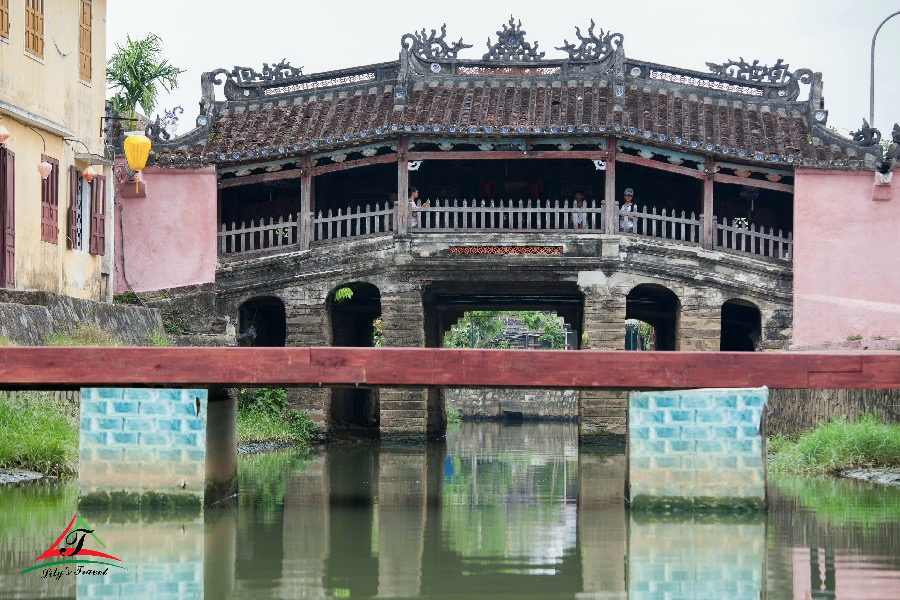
<point>579,217</point>
<point>413,213</point>
<point>626,224</point>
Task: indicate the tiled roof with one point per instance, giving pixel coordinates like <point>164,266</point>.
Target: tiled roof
<point>280,112</point>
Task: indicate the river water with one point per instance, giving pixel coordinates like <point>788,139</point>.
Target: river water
<point>499,511</point>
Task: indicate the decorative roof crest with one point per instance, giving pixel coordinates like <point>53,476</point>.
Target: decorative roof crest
<point>432,47</point>
<point>277,72</point>
<point>867,135</point>
<point>592,47</point>
<point>777,74</point>
<point>511,45</point>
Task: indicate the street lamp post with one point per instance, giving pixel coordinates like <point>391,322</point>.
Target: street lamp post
<point>872,75</point>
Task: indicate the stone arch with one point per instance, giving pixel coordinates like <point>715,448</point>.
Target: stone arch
<point>262,322</point>
<point>660,307</point>
<point>352,320</point>
<point>741,326</point>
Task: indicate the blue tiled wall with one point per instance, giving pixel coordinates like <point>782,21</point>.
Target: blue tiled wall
<point>142,440</point>
<point>696,446</point>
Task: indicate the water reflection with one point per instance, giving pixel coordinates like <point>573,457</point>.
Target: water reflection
<point>498,511</point>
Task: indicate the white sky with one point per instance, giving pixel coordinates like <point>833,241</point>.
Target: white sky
<point>833,37</point>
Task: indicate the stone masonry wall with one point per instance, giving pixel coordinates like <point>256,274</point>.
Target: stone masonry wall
<point>137,444</point>
<point>601,412</point>
<point>491,403</point>
<point>695,448</point>
<point>27,318</point>
<point>404,412</point>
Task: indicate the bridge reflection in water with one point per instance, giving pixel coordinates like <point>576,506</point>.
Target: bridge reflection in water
<point>497,511</point>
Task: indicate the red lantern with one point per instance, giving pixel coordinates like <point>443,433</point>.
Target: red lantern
<point>88,174</point>
<point>45,169</point>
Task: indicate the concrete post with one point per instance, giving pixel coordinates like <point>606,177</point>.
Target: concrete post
<point>221,445</point>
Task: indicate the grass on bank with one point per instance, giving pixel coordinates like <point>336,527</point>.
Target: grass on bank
<point>84,334</point>
<point>263,415</point>
<point>38,430</point>
<point>837,445</point>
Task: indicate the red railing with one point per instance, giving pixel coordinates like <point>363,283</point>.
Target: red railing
<point>66,368</point>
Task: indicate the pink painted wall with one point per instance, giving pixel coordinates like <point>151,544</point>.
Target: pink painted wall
<point>169,236</point>
<point>846,257</point>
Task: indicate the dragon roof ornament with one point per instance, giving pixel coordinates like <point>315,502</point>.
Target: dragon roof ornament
<point>592,47</point>
<point>246,75</point>
<point>432,47</point>
<point>776,75</point>
<point>511,45</point>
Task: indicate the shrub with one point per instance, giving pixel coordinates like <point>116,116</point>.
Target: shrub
<point>267,400</point>
<point>159,339</point>
<point>838,445</point>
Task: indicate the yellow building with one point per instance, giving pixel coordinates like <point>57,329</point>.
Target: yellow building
<point>55,222</point>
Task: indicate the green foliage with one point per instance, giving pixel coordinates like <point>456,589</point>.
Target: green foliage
<point>292,426</point>
<point>266,400</point>
<point>342,294</point>
<point>85,334</point>
<point>5,341</point>
<point>159,339</point>
<point>854,338</point>
<point>644,332</point>
<point>135,71</point>
<point>839,445</point>
<point>173,327</point>
<point>453,415</point>
<point>39,431</point>
<point>126,298</point>
<point>483,329</point>
<point>377,332</point>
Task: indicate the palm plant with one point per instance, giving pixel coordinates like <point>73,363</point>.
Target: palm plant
<point>135,71</point>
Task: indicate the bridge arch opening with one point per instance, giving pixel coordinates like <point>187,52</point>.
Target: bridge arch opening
<point>741,326</point>
<point>354,308</point>
<point>262,322</point>
<point>660,308</point>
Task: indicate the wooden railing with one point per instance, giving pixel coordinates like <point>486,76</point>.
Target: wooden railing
<point>452,216</point>
<point>441,216</point>
<point>262,236</point>
<point>650,223</point>
<point>743,237</point>
<point>355,222</point>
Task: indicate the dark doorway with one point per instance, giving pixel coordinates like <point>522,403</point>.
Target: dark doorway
<point>741,322</point>
<point>354,310</point>
<point>262,323</point>
<point>660,308</point>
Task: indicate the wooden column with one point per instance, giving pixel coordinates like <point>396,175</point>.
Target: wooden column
<point>707,237</point>
<point>402,185</point>
<point>306,206</point>
<point>610,214</point>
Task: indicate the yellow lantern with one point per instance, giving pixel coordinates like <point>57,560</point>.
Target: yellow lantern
<point>137,150</point>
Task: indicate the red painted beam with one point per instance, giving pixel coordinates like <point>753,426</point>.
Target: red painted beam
<point>63,368</point>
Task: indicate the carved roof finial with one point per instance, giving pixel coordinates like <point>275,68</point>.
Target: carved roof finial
<point>592,47</point>
<point>433,46</point>
<point>511,45</point>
